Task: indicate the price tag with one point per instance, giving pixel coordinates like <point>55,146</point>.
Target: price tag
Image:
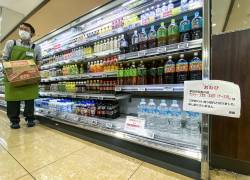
<point>100,97</point>
<point>118,89</point>
<point>162,49</point>
<point>94,122</point>
<point>104,75</point>
<point>109,125</point>
<point>86,97</point>
<point>183,46</point>
<point>141,53</point>
<point>168,89</point>
<point>122,57</point>
<point>141,89</point>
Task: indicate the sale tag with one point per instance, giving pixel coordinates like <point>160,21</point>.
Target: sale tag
<point>212,97</point>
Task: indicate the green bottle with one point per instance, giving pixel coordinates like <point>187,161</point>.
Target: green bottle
<point>173,33</point>
<point>162,35</point>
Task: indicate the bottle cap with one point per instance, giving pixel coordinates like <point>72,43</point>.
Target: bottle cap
<point>172,20</point>
<point>143,29</point>
<point>162,23</point>
<point>197,14</point>
<point>182,56</point>
<point>195,53</point>
<point>185,18</point>
<point>170,57</point>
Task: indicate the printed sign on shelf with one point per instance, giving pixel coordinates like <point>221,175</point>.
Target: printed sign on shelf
<point>212,97</point>
<point>137,126</point>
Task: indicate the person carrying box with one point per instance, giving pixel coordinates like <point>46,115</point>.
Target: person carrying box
<point>14,50</point>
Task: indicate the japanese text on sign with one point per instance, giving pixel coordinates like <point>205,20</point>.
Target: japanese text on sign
<point>212,97</point>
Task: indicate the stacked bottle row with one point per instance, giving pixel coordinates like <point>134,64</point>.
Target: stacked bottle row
<point>186,31</point>
<point>88,86</point>
<point>159,73</point>
<point>92,108</point>
<point>108,64</point>
<point>110,44</point>
<point>169,118</point>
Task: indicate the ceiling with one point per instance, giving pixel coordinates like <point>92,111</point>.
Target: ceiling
<point>21,6</point>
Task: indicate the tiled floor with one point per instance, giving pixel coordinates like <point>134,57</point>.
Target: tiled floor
<point>46,154</point>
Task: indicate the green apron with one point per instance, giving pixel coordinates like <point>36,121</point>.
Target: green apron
<point>27,92</point>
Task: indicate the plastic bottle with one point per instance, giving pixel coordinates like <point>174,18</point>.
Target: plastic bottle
<point>185,27</point>
<point>152,38</point>
<point>163,123</point>
<point>142,74</point>
<point>164,10</point>
<point>160,72</point>
<point>135,42</point>
<point>147,16</point>
<point>193,123</point>
<point>162,35</point>
<point>143,38</point>
<point>195,68</point>
<point>182,69</point>
<point>123,45</point>
<point>197,26</point>
<point>120,74</point>
<point>143,18</point>
<point>152,15</point>
<point>153,73</point>
<point>158,12</point>
<point>141,109</point>
<point>173,33</point>
<point>175,118</point>
<point>151,114</point>
<point>133,74</point>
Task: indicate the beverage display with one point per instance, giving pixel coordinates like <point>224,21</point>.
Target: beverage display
<point>170,71</point>
<point>182,70</point>
<point>152,38</point>
<point>143,38</point>
<point>173,33</point>
<point>162,35</point>
<point>197,26</point>
<point>195,68</point>
<point>185,27</point>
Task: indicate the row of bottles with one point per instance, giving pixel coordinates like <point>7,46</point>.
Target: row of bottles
<point>110,44</point>
<point>108,64</point>
<point>169,118</point>
<point>159,73</point>
<point>186,31</point>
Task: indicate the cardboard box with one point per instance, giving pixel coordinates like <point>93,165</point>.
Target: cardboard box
<point>21,72</point>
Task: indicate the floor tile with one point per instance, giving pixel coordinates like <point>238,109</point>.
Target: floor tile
<point>150,172</point>
<point>90,163</point>
<point>15,137</point>
<point>222,175</point>
<point>45,151</point>
<point>9,167</point>
<point>27,177</point>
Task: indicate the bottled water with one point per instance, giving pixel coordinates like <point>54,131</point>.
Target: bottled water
<point>184,5</point>
<point>193,123</point>
<point>151,114</point>
<point>175,117</point>
<point>142,109</point>
<point>162,123</point>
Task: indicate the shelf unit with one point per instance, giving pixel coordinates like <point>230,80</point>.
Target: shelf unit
<point>184,147</point>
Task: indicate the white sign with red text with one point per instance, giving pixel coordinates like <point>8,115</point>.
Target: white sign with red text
<point>212,97</point>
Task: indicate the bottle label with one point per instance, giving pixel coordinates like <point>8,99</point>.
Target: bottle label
<point>133,72</point>
<point>197,23</point>
<point>185,26</point>
<point>124,43</point>
<point>169,68</point>
<point>173,30</point>
<point>160,71</point>
<point>120,73</point>
<point>141,72</point>
<point>153,71</point>
<point>195,66</point>
<point>161,33</point>
<point>182,67</point>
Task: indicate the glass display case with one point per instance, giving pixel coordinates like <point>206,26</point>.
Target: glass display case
<point>119,71</point>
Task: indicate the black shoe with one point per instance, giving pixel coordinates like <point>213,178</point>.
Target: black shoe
<point>31,123</point>
<point>15,126</point>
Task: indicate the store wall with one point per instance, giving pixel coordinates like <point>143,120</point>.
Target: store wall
<point>57,13</point>
<point>230,137</point>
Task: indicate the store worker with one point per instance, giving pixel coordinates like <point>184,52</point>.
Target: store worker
<point>14,50</point>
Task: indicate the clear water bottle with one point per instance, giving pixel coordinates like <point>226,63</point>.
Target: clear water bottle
<point>141,109</point>
<point>184,5</point>
<point>193,123</point>
<point>175,118</point>
<point>151,114</point>
<point>162,123</point>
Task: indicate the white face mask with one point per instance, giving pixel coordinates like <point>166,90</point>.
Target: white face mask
<point>24,35</point>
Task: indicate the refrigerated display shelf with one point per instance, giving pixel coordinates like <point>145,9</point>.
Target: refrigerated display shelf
<point>80,77</point>
<point>150,88</point>
<point>183,146</point>
<point>84,95</point>
<point>93,57</point>
<point>124,30</point>
<point>162,50</point>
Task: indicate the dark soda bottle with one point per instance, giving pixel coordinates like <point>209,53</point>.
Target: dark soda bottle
<point>143,39</point>
<point>195,68</point>
<point>123,45</point>
<point>173,33</point>
<point>185,27</point>
<point>153,73</point>
<point>162,35</point>
<point>142,74</point>
<point>182,69</point>
<point>170,71</point>
<point>152,38</point>
<point>197,26</point>
<point>135,42</point>
<point>160,72</point>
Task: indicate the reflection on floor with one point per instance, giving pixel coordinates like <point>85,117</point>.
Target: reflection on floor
<point>43,153</point>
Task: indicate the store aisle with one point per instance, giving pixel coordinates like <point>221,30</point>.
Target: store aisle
<point>43,153</point>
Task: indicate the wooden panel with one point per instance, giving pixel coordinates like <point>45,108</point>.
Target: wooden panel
<point>231,62</point>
